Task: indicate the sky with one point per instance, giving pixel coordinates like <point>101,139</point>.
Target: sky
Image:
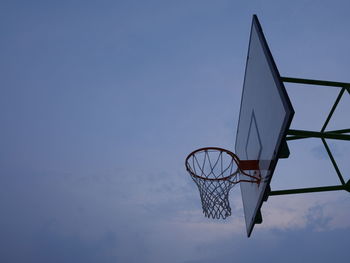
<point>101,101</point>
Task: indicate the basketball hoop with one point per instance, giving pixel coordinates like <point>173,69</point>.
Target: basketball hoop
<point>215,171</point>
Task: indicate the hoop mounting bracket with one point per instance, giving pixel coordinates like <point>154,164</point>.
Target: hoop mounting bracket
<point>249,164</point>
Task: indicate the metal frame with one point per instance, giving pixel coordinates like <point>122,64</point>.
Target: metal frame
<point>322,134</point>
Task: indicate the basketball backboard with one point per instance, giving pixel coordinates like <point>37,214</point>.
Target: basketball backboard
<point>265,116</point>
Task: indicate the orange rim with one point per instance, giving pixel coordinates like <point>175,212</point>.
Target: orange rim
<point>234,158</point>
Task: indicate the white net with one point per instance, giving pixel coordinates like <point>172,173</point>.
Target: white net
<point>214,171</point>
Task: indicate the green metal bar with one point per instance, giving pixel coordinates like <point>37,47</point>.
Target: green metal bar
<point>309,190</point>
<point>294,137</point>
<point>339,131</point>
<point>311,134</point>
<point>333,161</point>
<point>333,109</point>
<point>316,82</point>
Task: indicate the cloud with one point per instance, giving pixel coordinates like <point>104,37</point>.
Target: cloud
<point>319,212</point>
<point>320,152</point>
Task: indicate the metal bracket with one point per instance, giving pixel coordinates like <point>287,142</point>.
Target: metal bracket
<point>323,135</point>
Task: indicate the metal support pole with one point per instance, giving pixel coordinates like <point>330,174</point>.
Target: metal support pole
<point>339,131</point>
<point>312,190</point>
<point>314,134</point>
<point>295,137</point>
<point>316,82</point>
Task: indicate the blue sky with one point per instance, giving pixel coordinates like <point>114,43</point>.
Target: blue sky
<point>101,101</point>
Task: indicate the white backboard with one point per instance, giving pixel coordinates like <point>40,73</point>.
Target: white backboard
<point>265,117</point>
